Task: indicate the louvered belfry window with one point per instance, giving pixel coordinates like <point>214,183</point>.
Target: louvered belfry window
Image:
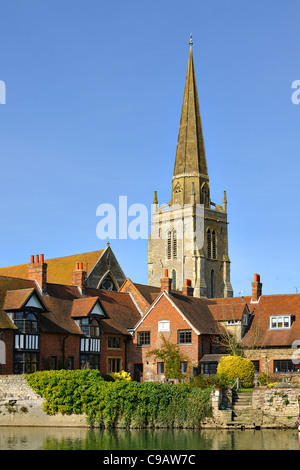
<point>169,246</point>
<point>174,244</point>
<point>208,243</point>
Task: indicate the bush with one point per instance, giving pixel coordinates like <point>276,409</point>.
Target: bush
<point>121,403</point>
<point>121,376</point>
<point>232,367</point>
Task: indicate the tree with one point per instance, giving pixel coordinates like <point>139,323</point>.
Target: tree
<point>172,357</point>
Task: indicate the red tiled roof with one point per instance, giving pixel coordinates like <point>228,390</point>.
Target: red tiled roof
<point>59,270</point>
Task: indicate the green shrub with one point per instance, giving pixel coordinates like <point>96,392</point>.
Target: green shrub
<point>121,403</point>
<point>232,367</point>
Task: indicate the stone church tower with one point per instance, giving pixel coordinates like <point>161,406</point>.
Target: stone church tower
<point>189,235</point>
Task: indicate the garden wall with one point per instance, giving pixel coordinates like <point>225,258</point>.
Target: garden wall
<point>21,406</point>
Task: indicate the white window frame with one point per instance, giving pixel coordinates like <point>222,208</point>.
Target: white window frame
<point>277,322</point>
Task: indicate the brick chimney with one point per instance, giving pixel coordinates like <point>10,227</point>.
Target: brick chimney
<point>165,282</point>
<point>79,278</point>
<point>187,288</point>
<point>256,288</point>
<point>37,271</point>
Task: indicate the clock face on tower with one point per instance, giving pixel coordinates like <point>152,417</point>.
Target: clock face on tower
<point>107,284</point>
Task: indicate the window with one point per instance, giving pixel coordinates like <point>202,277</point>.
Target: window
<point>280,321</point>
<point>209,368</point>
<point>160,368</point>
<point>285,365</point>
<point>90,327</point>
<point>25,362</point>
<point>173,279</point>
<point>169,246</point>
<point>114,342</point>
<point>213,244</point>
<point>143,338</point>
<point>184,336</point>
<point>113,364</point>
<point>26,322</point>
<point>256,366</point>
<point>174,244</point>
<point>183,367</point>
<point>90,361</point>
<point>208,243</point>
<point>232,322</point>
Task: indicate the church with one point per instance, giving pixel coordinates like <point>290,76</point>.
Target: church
<point>189,236</point>
<point>80,311</point>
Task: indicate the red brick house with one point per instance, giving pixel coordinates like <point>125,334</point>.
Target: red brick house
<point>182,319</point>
<point>48,326</point>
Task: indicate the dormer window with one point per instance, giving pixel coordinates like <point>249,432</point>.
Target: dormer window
<point>280,321</point>
<point>26,322</point>
<point>90,327</point>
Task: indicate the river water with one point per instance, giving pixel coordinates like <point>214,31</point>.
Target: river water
<point>26,438</point>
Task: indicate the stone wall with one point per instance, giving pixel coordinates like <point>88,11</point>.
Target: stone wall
<point>21,406</point>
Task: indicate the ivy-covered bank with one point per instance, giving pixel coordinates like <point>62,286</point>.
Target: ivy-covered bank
<point>122,403</point>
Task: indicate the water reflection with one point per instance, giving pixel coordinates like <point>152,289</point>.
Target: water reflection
<point>21,438</point>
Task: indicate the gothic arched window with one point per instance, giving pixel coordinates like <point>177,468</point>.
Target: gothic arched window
<point>174,244</point>
<point>169,246</point>
<point>208,243</point>
<point>213,241</point>
<point>211,244</point>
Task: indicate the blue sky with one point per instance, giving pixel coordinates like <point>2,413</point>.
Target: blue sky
<point>93,99</point>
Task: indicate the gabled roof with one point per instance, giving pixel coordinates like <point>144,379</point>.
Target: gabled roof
<point>59,270</point>
<point>193,309</point>
<point>260,334</point>
<point>85,306</point>
<point>228,311</point>
<point>121,310</point>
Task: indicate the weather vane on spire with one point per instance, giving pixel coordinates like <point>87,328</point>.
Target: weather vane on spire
<point>191,39</point>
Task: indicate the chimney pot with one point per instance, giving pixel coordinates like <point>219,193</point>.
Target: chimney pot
<point>256,288</point>
<point>165,282</point>
<point>38,272</point>
<point>79,278</point>
<point>187,288</point>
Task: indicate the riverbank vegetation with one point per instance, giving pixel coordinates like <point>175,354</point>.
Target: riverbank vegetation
<point>122,403</point>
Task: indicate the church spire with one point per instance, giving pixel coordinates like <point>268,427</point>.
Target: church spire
<point>190,161</point>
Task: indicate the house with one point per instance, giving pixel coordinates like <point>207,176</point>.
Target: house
<point>46,325</point>
<point>102,268</point>
<point>182,319</point>
<point>265,326</point>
